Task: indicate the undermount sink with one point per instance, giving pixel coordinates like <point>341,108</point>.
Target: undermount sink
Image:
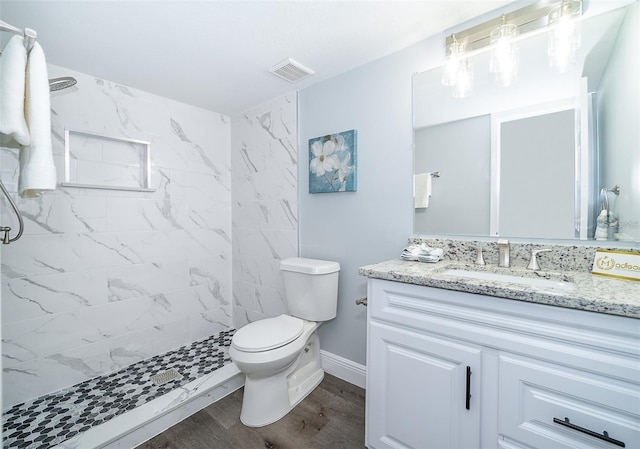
<point>555,284</point>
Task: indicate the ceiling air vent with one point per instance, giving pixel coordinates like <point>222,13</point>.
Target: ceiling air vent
<point>291,70</point>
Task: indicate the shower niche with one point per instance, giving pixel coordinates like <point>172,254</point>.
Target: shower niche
<point>98,161</point>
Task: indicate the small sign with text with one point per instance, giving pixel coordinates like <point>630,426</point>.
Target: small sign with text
<point>617,264</point>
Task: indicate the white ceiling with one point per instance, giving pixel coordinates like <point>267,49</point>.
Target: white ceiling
<point>216,54</point>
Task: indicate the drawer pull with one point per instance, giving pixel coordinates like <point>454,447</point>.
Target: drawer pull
<point>468,405</point>
<point>604,436</point>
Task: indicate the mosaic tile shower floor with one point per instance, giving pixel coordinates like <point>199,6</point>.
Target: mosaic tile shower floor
<point>49,420</point>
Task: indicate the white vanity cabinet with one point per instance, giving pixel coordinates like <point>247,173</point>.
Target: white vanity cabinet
<point>448,369</point>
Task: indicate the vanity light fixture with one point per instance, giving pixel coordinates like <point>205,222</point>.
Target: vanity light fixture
<point>564,35</point>
<point>560,18</point>
<point>504,61</point>
<point>457,71</point>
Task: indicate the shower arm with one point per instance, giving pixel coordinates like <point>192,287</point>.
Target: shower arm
<point>5,238</point>
<point>28,34</point>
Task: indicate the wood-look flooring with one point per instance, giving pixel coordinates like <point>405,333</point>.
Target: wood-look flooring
<point>331,417</point>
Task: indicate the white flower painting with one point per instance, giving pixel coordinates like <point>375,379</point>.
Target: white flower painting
<point>332,163</point>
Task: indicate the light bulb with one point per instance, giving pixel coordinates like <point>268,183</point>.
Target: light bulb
<point>504,61</point>
<point>564,35</point>
<point>452,62</point>
<point>463,86</point>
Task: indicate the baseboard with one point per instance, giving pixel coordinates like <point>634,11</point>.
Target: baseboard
<point>344,369</point>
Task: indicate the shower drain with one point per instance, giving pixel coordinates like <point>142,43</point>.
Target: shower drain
<point>165,376</point>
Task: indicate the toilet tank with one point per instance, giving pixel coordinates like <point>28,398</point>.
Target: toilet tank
<point>311,288</point>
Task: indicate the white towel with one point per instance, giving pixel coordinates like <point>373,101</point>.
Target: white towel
<point>421,190</point>
<point>13,64</point>
<point>422,253</point>
<point>37,170</point>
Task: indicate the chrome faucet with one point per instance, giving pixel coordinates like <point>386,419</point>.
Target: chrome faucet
<point>503,253</point>
<point>479,257</point>
<point>533,263</point>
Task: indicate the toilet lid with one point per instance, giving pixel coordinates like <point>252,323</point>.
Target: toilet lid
<point>267,334</point>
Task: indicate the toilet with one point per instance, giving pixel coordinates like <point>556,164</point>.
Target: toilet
<point>280,356</point>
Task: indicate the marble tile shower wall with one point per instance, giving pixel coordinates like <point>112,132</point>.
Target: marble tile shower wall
<point>264,167</point>
<point>105,278</point>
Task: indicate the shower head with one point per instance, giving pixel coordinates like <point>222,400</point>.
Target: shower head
<point>61,83</point>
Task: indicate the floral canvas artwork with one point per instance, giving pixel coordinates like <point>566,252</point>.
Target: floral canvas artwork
<point>332,163</point>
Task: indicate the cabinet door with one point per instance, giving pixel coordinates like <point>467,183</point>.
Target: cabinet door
<point>417,390</point>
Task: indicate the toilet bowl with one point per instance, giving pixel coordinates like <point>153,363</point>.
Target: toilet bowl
<point>277,379</point>
<point>280,356</point>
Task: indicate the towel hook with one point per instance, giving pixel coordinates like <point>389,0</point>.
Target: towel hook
<point>28,34</point>
<point>30,37</point>
<point>614,189</point>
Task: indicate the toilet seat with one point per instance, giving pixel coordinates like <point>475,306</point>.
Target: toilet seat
<point>267,334</point>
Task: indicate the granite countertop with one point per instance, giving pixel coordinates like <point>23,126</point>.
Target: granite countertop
<point>575,289</point>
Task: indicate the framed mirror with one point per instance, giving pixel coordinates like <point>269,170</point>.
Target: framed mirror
<point>543,157</point>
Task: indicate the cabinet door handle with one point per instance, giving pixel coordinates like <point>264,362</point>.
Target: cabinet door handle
<point>604,436</point>
<point>468,400</point>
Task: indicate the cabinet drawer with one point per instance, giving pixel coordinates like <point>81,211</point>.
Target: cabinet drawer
<point>532,393</point>
<point>600,343</point>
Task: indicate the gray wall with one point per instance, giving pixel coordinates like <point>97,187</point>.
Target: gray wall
<point>372,224</point>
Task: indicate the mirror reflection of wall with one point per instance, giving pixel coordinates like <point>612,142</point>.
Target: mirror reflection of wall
<point>601,141</point>
<point>459,202</point>
<point>618,112</point>
<point>537,163</point>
